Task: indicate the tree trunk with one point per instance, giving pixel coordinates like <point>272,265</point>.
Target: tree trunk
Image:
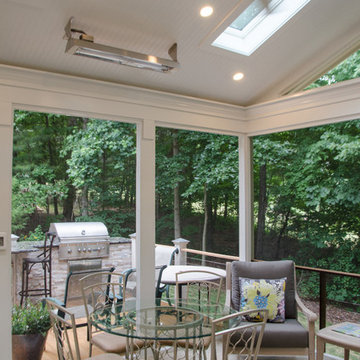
<point>56,208</point>
<point>68,205</point>
<point>157,206</point>
<point>122,186</point>
<point>226,206</point>
<point>204,235</point>
<point>177,220</point>
<point>177,223</point>
<point>212,215</point>
<point>47,205</point>
<point>282,231</point>
<point>84,201</point>
<point>259,244</point>
<point>52,162</point>
<point>103,178</point>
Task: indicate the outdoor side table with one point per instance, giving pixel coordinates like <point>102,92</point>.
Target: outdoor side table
<point>330,336</point>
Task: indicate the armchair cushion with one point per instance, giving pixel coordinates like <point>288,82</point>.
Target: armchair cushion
<point>263,294</point>
<point>295,334</point>
<point>289,334</point>
<point>265,270</point>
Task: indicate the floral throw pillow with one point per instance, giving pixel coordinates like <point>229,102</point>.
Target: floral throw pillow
<point>263,294</point>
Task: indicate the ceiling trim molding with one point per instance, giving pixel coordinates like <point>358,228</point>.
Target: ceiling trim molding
<point>329,104</point>
<point>43,91</point>
<point>23,78</point>
<point>351,43</point>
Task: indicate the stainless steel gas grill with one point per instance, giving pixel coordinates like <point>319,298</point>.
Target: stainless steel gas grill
<point>81,240</point>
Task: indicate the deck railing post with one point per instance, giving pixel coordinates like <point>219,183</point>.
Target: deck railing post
<point>181,256</point>
<point>322,300</point>
<point>133,249</point>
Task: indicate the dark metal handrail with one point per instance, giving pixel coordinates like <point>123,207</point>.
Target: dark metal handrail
<point>322,272</point>
<point>323,278</point>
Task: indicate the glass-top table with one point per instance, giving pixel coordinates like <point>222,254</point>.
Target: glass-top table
<point>154,323</point>
<point>161,327</point>
<point>159,322</point>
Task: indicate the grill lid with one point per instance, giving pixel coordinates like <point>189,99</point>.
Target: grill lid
<point>79,230</point>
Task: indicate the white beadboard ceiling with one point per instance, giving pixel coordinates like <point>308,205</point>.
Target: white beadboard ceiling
<point>320,35</point>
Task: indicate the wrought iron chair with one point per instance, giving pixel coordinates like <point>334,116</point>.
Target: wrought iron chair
<point>130,282</point>
<point>67,342</point>
<point>198,290</point>
<point>239,336</point>
<point>201,287</point>
<point>164,255</point>
<point>97,295</point>
<point>73,300</point>
<point>43,259</point>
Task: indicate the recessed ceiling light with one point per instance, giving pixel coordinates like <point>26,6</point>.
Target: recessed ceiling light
<point>206,11</point>
<point>238,76</point>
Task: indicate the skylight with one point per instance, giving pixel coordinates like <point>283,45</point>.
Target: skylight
<point>257,22</point>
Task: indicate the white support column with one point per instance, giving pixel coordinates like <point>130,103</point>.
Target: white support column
<point>245,199</point>
<point>6,119</point>
<point>145,213</point>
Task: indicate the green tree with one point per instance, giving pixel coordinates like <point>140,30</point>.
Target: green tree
<point>39,174</point>
<point>348,69</point>
<point>205,171</point>
<point>101,166</point>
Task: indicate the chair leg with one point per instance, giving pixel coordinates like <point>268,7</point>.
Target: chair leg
<point>45,279</point>
<point>26,273</point>
<point>311,350</point>
<point>22,285</point>
<point>89,327</point>
<point>168,294</point>
<point>50,279</point>
<point>26,270</point>
<point>320,349</point>
<point>225,344</point>
<point>204,351</point>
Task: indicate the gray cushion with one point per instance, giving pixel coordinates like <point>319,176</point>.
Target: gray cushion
<point>266,270</point>
<point>289,334</point>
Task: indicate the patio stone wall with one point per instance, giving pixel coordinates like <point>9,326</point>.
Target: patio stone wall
<point>120,258</point>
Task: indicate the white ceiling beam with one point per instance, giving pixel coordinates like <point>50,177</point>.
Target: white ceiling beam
<point>42,91</point>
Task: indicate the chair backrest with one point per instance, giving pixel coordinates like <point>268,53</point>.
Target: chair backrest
<point>239,336</point>
<point>46,253</point>
<point>202,287</point>
<point>101,289</point>
<point>130,281</point>
<point>64,331</point>
<point>265,270</point>
<point>165,255</point>
<point>73,294</point>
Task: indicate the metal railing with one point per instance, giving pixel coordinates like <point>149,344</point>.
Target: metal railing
<point>322,287</point>
<point>324,273</point>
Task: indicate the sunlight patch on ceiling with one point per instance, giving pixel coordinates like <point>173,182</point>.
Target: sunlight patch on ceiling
<point>257,22</point>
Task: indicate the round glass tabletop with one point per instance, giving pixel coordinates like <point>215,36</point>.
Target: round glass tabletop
<point>154,323</point>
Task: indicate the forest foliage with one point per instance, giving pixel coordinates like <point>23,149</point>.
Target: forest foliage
<point>306,186</point>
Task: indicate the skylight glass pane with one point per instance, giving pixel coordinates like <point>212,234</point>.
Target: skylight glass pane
<point>257,23</point>
<point>253,10</point>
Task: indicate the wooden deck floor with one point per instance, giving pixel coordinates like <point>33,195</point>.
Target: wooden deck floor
<point>50,352</point>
